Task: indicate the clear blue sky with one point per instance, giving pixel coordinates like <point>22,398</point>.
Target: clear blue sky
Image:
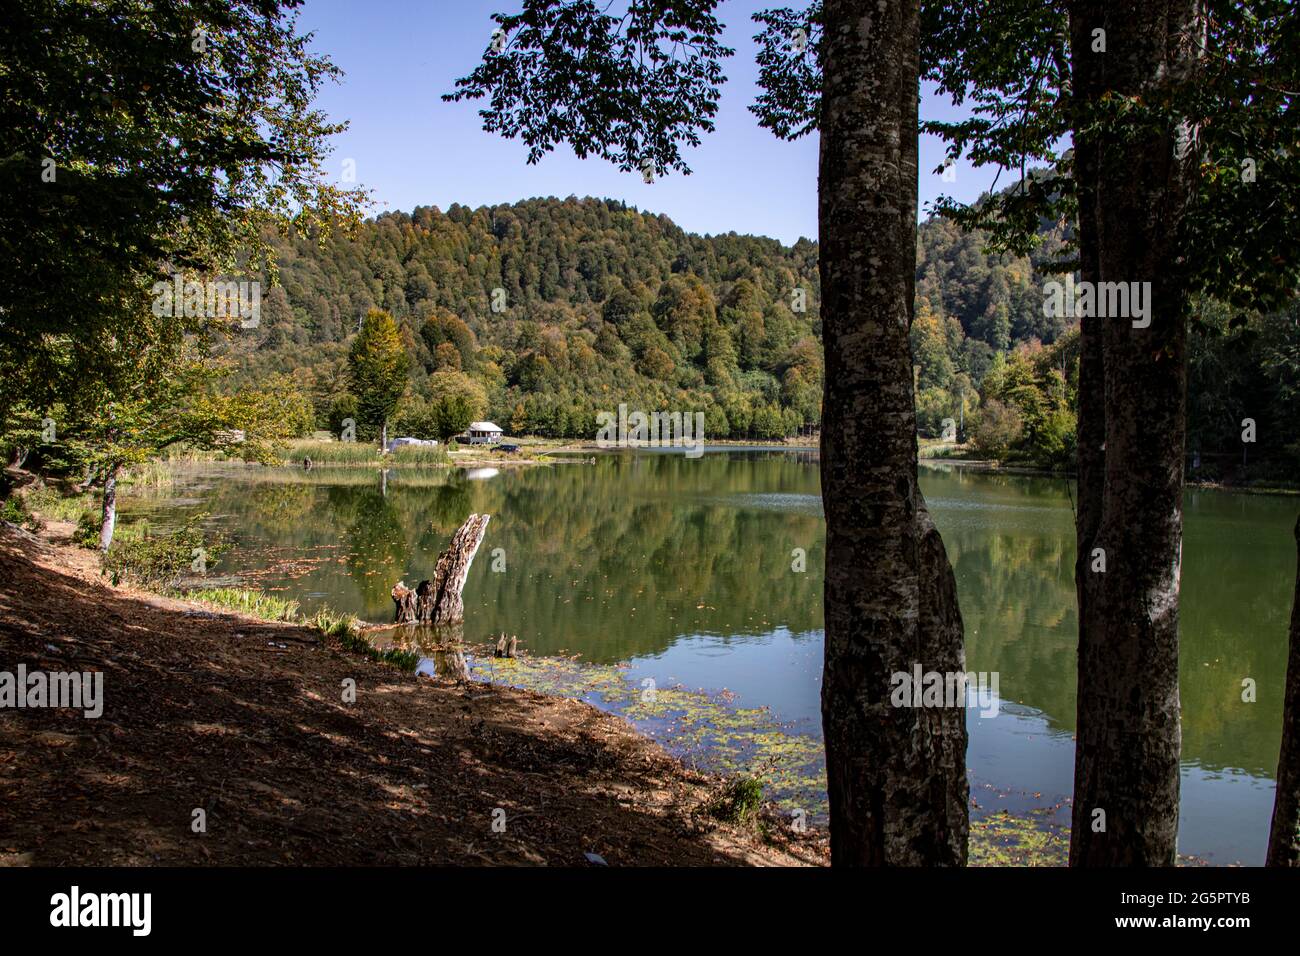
<point>412,149</point>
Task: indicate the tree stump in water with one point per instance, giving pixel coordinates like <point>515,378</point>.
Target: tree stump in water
<point>439,601</point>
<point>405,600</point>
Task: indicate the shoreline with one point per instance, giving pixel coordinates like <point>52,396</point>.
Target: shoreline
<point>241,718</point>
<point>538,451</point>
<point>1029,471</point>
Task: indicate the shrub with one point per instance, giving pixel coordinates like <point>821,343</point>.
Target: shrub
<point>159,561</point>
<point>1056,440</point>
<point>15,511</point>
<point>87,533</point>
<point>738,801</point>
<point>996,429</point>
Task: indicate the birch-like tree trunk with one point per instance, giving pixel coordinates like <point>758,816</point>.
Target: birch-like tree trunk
<point>896,775</point>
<point>108,513</point>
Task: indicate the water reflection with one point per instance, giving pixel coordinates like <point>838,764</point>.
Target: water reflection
<point>449,664</point>
<point>684,570</point>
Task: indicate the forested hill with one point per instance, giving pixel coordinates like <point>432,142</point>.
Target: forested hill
<point>600,304</point>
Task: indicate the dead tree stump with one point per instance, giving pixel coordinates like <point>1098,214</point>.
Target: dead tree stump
<point>439,601</point>
<point>405,599</point>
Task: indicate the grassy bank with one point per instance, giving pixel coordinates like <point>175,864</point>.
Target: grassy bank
<point>365,454</point>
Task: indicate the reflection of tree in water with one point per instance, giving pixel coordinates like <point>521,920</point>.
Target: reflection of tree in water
<point>442,647</point>
<point>377,546</point>
<point>1235,605</point>
<point>615,560</point>
<point>445,508</point>
<point>625,557</point>
<point>286,505</point>
<point>1018,607</point>
<point>1015,581</point>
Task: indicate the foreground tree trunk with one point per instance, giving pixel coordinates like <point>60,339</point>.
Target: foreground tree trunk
<point>439,601</point>
<point>1133,190</point>
<point>108,515</point>
<point>1284,838</point>
<point>896,776</point>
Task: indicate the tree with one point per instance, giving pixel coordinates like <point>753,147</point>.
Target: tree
<point>341,409</point>
<point>450,416</point>
<point>896,776</point>
<point>996,429</point>
<point>139,135</point>
<point>455,400</point>
<point>378,366</point>
<point>1284,836</point>
<point>445,356</point>
<point>172,401</point>
<point>444,328</point>
<point>289,406</point>
<point>1134,189</point>
<point>631,90</point>
<point>1171,108</point>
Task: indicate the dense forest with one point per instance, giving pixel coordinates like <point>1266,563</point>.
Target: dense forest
<point>548,311</point>
<point>556,310</point>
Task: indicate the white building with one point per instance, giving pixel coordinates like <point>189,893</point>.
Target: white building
<point>483,433</point>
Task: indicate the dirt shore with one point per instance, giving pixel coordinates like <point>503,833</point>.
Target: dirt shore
<point>245,720</point>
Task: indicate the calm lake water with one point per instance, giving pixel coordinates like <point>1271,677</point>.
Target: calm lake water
<point>682,570</point>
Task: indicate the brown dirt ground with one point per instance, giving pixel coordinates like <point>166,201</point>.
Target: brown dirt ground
<point>206,710</point>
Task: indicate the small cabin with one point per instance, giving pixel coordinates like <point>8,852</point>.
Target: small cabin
<point>483,433</point>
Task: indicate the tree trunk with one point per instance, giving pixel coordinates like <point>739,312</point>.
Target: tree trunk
<point>1284,839</point>
<point>1133,191</point>
<point>452,569</point>
<point>439,601</point>
<point>108,518</point>
<point>896,776</point>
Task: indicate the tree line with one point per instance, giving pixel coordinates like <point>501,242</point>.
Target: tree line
<point>600,303</point>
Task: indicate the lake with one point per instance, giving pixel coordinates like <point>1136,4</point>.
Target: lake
<point>684,572</point>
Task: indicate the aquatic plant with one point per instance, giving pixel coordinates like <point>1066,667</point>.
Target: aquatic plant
<point>343,629</point>
<point>358,453</point>
<point>257,604</point>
